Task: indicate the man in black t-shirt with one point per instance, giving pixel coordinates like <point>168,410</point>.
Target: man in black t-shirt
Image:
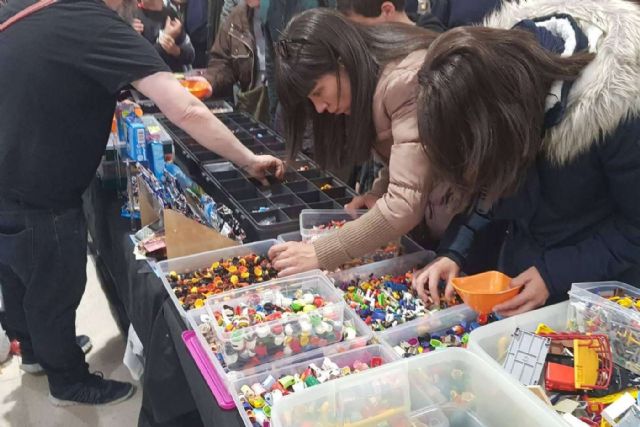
<point>62,68</point>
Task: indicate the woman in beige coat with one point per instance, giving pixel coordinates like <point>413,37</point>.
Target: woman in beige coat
<point>357,85</point>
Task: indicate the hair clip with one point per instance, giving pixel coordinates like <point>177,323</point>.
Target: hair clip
<point>283,47</point>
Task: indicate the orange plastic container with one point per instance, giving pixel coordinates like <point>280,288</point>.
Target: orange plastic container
<point>200,88</point>
<point>484,291</point>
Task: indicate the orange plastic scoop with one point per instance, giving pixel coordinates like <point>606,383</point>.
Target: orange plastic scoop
<point>200,88</point>
<point>484,291</point>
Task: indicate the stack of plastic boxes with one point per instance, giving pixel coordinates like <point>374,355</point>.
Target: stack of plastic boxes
<point>264,342</point>
<point>357,334</point>
<point>388,388</point>
<point>196,262</point>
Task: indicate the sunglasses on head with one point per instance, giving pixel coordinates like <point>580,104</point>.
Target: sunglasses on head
<point>285,48</point>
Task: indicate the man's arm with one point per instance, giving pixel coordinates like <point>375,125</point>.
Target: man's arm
<point>191,115</point>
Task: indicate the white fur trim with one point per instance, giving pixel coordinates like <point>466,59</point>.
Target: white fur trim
<point>593,34</point>
<point>608,90</point>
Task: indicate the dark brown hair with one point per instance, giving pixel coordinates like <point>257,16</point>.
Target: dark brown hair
<point>481,106</point>
<point>317,42</point>
<point>367,8</point>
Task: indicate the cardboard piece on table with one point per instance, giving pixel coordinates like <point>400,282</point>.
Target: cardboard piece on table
<point>540,393</point>
<point>566,406</point>
<point>150,208</point>
<point>185,236</point>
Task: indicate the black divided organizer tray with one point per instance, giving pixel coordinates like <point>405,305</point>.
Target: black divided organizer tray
<point>268,211</point>
<point>251,133</point>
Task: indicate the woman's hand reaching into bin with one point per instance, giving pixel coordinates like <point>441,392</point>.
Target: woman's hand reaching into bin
<point>426,281</point>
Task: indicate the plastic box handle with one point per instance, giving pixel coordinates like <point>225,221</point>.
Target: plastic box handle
<point>215,383</point>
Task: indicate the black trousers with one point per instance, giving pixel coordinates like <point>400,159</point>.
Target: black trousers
<point>43,256</point>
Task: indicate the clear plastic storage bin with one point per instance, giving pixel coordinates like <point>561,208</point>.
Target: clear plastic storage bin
<point>196,262</point>
<point>437,323</point>
<point>395,267</point>
<point>276,372</point>
<point>293,236</point>
<point>491,342</point>
<point>407,247</point>
<point>196,318</point>
<point>610,308</point>
<point>312,218</point>
<point>407,244</point>
<point>453,387</point>
<point>247,342</point>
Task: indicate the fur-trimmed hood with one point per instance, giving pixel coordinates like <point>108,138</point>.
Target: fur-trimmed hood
<point>608,90</point>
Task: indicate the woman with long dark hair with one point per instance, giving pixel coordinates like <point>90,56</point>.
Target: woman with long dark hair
<point>357,86</point>
<point>540,125</point>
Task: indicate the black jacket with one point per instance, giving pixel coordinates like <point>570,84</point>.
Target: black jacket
<point>447,14</point>
<point>577,216</point>
<point>154,22</point>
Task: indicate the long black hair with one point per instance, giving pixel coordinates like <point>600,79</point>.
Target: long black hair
<point>317,42</point>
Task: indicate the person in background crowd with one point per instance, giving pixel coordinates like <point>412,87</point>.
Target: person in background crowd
<point>227,7</point>
<point>411,7</point>
<point>48,156</point>
<point>371,12</point>
<point>357,85</point>
<point>177,5</point>
<point>196,14</point>
<point>455,13</point>
<point>238,57</point>
<point>161,26</point>
<point>380,11</point>
<point>275,15</point>
<point>539,121</point>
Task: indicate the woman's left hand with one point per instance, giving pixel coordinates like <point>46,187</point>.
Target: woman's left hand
<point>293,258</point>
<point>533,295</point>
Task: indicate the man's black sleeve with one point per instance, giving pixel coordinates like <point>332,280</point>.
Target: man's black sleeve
<point>119,56</point>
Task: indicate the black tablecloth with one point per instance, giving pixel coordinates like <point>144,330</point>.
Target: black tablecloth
<point>174,392</point>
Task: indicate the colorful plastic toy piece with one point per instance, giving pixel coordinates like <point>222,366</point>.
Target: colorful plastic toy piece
<point>526,357</point>
<point>593,363</point>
